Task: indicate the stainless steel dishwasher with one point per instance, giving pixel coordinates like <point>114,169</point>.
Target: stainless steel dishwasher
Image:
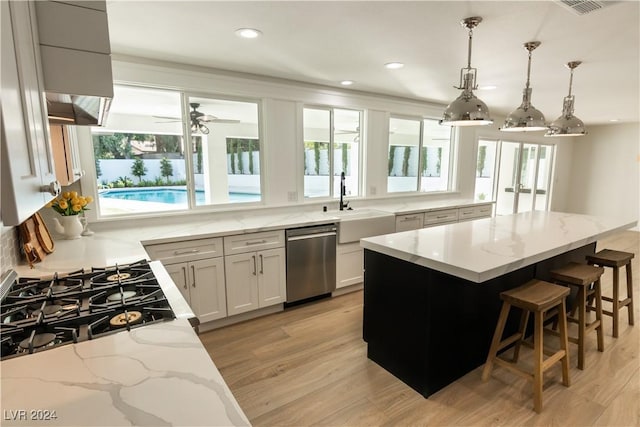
<point>311,261</point>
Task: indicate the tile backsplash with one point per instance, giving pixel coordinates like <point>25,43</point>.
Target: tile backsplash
<point>9,244</point>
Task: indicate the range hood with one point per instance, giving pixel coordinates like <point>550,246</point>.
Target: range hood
<point>76,61</point>
<point>77,110</point>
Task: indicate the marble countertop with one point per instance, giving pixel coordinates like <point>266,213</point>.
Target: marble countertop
<point>482,249</point>
<point>122,242</point>
<point>151,376</point>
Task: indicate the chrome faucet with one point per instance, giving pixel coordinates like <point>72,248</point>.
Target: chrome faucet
<point>343,192</point>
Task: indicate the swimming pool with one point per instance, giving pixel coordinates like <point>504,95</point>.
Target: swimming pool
<point>172,196</point>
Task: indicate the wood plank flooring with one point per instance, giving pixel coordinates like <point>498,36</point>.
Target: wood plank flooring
<point>308,366</point>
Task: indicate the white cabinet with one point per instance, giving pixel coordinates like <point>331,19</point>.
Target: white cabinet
<point>438,217</point>
<point>197,268</point>
<point>349,264</point>
<point>27,163</point>
<point>202,284</point>
<point>474,212</point>
<point>255,278</point>
<point>409,222</point>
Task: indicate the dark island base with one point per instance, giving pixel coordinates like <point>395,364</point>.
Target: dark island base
<point>429,328</point>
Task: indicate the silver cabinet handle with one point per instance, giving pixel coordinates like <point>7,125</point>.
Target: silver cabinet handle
<point>410,218</point>
<point>184,273</point>
<point>261,265</point>
<point>256,242</point>
<point>53,188</point>
<point>193,273</point>
<point>254,264</point>
<point>441,216</point>
<point>190,251</point>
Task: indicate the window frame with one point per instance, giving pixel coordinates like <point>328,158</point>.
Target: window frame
<point>453,155</point>
<point>331,150</point>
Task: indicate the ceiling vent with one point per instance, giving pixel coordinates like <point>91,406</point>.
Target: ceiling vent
<point>582,7</point>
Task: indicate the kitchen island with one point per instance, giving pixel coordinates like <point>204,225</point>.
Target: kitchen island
<point>431,296</point>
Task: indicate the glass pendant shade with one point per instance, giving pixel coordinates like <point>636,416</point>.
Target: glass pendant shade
<point>467,109</point>
<point>567,124</point>
<point>525,118</point>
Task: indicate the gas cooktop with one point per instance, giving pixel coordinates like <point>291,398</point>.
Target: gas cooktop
<point>38,315</point>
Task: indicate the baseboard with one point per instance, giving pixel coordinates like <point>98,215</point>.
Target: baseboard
<point>220,323</point>
<point>347,289</point>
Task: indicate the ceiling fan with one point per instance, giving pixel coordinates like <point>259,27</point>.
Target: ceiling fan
<point>198,119</point>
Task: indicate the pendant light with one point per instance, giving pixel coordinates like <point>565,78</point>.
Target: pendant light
<point>526,117</point>
<point>467,109</point>
<point>567,124</point>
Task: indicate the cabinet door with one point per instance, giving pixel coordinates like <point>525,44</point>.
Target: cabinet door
<point>409,222</point>
<point>27,162</point>
<point>242,282</point>
<point>208,294</point>
<point>64,143</point>
<point>349,265</point>
<point>179,274</point>
<point>272,283</point>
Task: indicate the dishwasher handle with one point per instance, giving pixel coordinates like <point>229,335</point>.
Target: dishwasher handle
<point>310,236</point>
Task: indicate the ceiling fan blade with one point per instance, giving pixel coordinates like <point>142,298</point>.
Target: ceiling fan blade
<point>225,121</point>
<point>175,119</point>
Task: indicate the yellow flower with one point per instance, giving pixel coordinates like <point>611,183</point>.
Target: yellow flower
<point>83,201</point>
<point>89,199</point>
<point>76,208</point>
<point>75,200</point>
<point>73,194</point>
<point>48,205</point>
<point>66,195</point>
<point>63,204</point>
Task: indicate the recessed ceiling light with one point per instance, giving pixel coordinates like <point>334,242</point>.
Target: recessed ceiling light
<point>394,65</point>
<point>614,120</point>
<point>346,82</point>
<point>488,87</point>
<point>248,33</point>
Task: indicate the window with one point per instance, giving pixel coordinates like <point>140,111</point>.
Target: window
<point>227,151</point>
<point>140,158</point>
<point>419,155</point>
<point>485,170</point>
<point>331,146</point>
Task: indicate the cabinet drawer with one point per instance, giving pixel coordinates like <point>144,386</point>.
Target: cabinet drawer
<point>186,250</point>
<point>440,217</point>
<point>253,242</point>
<point>409,222</point>
<point>482,211</point>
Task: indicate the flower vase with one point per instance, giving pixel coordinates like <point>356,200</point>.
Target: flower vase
<point>69,226</point>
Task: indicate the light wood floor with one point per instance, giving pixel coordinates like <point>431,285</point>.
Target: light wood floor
<point>308,366</point>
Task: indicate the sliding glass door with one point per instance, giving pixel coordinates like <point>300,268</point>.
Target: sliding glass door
<point>524,178</point>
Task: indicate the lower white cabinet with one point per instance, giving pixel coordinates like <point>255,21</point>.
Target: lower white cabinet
<point>255,280</point>
<point>349,265</point>
<point>202,284</point>
<point>409,222</point>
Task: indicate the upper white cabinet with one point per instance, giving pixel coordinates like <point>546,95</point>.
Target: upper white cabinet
<point>75,49</point>
<point>28,171</point>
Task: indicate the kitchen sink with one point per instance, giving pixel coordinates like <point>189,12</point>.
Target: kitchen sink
<point>356,224</point>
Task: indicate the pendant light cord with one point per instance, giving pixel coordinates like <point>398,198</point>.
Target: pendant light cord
<point>570,81</point>
<point>469,52</point>
<point>528,71</point>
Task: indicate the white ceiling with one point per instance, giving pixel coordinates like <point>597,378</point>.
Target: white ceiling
<point>325,42</point>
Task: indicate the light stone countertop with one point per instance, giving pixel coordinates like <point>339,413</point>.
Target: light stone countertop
<point>156,375</point>
<point>482,249</point>
<point>122,242</point>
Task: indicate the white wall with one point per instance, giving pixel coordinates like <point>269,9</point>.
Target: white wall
<point>606,174</point>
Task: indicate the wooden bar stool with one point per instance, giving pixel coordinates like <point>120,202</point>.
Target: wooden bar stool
<point>540,298</point>
<point>583,276</point>
<point>615,260</point>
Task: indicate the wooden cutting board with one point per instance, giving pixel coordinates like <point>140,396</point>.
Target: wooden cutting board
<point>36,239</point>
<point>42,234</point>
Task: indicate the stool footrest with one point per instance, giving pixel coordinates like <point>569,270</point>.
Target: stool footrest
<point>553,359</point>
<point>508,341</point>
<point>513,368</point>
